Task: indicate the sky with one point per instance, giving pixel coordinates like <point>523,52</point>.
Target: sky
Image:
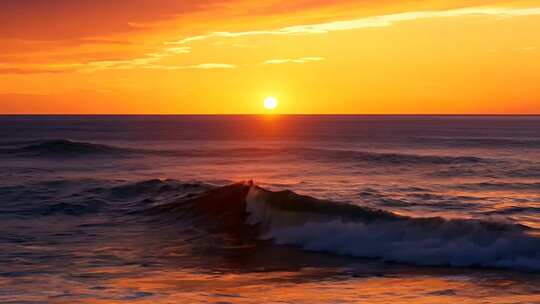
<point>226,57</point>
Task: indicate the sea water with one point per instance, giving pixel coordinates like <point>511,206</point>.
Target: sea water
<point>269,209</point>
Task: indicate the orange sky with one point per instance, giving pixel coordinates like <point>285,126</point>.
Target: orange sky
<point>314,56</point>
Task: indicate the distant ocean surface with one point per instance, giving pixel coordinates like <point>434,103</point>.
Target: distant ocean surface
<point>270,209</point>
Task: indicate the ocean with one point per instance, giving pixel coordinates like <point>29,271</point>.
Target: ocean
<point>270,209</point>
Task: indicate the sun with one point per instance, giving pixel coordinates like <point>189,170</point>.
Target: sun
<point>270,103</point>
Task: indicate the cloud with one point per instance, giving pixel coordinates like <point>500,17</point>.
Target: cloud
<point>294,60</point>
<point>149,60</point>
<point>200,66</point>
<point>181,47</point>
<point>206,66</point>
<point>367,22</point>
<point>178,50</point>
<point>73,19</point>
<point>143,64</point>
<point>22,71</point>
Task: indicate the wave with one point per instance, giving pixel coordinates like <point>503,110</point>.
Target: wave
<point>483,142</point>
<point>516,210</point>
<point>246,212</point>
<point>287,218</point>
<point>499,186</point>
<point>66,148</point>
<point>76,209</point>
<point>407,159</point>
<point>333,155</point>
<point>18,143</point>
<point>152,189</point>
<point>69,148</point>
<point>80,197</point>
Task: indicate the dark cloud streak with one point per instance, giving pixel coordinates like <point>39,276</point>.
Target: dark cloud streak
<point>75,19</point>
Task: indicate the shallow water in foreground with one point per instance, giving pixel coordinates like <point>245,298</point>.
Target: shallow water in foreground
<point>78,198</point>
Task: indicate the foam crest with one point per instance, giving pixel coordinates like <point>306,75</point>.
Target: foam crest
<point>288,218</point>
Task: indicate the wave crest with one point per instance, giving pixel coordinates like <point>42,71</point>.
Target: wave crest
<point>288,218</point>
<point>66,148</point>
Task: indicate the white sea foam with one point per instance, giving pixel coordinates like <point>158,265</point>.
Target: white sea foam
<point>427,241</point>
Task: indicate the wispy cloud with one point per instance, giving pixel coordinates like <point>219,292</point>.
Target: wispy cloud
<point>39,69</point>
<point>294,60</point>
<point>181,47</point>
<point>149,60</point>
<point>206,66</point>
<point>22,71</point>
<point>177,50</point>
<point>200,66</point>
<point>367,22</point>
<point>528,48</point>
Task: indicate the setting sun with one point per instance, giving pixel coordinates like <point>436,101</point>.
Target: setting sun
<point>270,103</point>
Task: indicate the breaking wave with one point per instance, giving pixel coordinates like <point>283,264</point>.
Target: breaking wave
<point>287,218</point>
<point>246,212</point>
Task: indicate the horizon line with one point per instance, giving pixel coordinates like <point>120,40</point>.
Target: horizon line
<point>269,114</point>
